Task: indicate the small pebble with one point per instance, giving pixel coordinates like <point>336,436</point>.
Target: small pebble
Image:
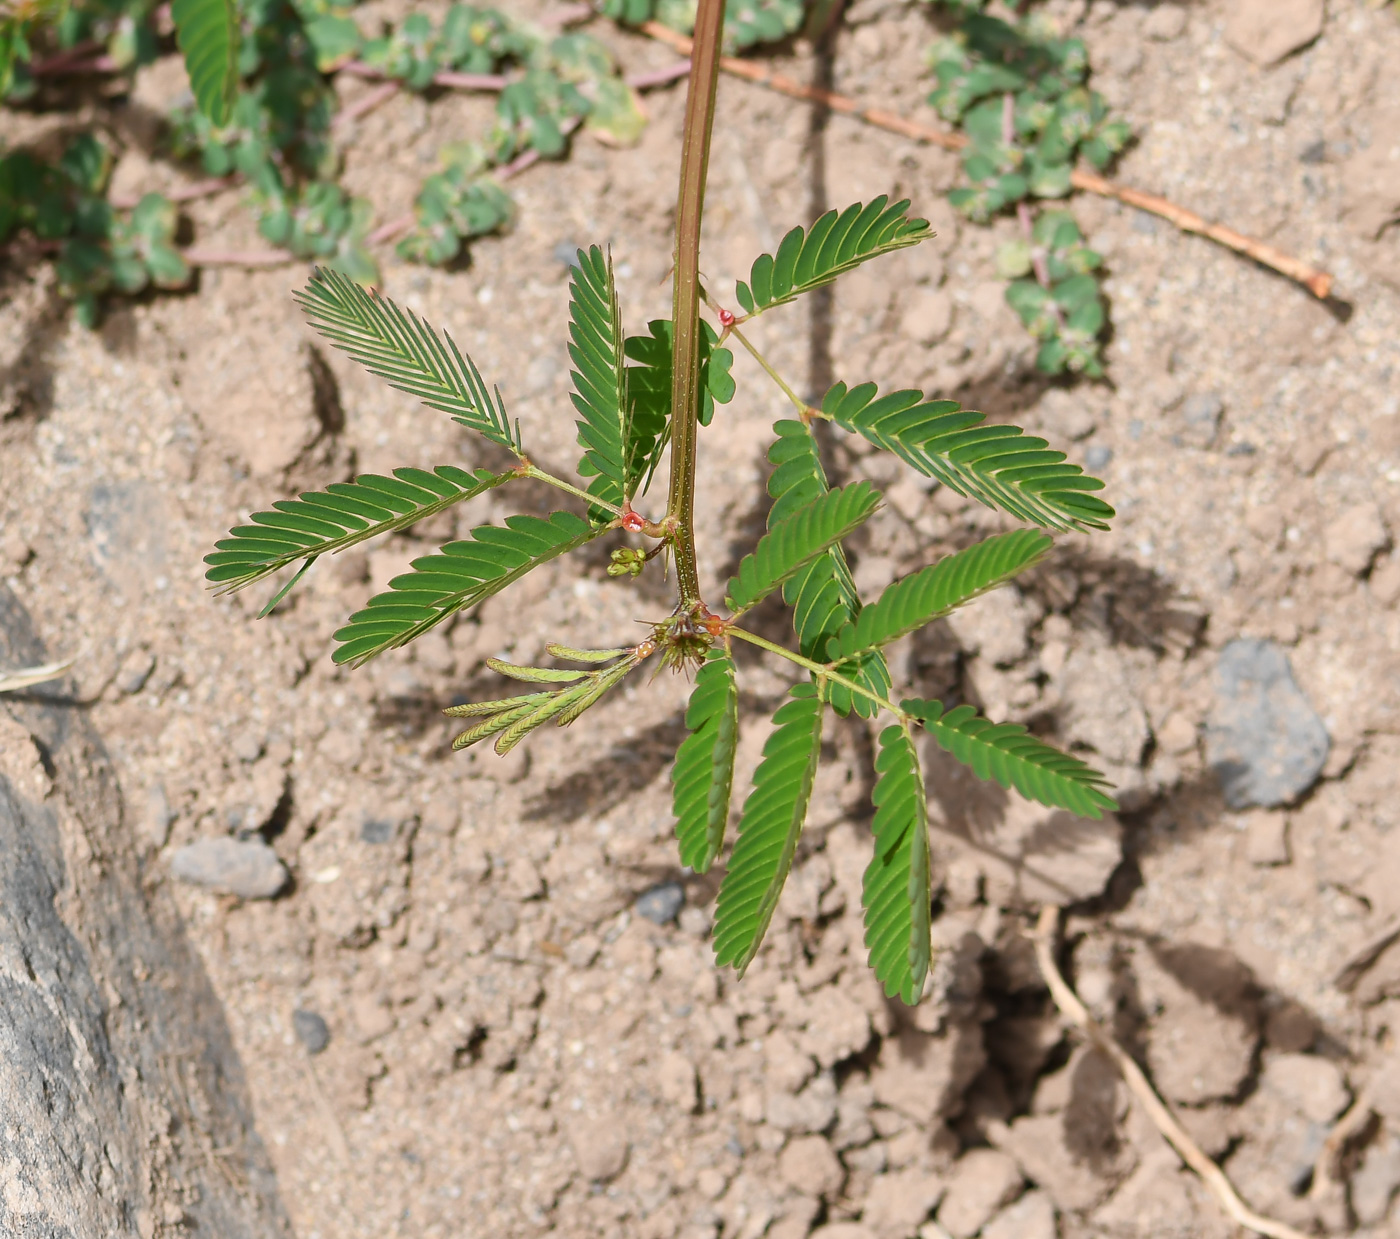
<point>660,904</point>
<point>312,1030</point>
<point>376,830</point>
<point>566,252</point>
<point>135,671</point>
<point>1097,456</point>
<point>244,867</point>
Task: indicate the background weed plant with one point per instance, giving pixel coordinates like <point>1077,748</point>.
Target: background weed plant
<point>263,110</point>
<point>637,400</point>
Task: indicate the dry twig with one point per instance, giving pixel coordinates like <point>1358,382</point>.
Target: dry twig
<point>1319,283</point>
<point>1046,934</point>
<point>27,677</point>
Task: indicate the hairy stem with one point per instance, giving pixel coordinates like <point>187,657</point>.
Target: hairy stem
<point>530,471</point>
<point>823,672</point>
<point>685,359</point>
<point>804,410</point>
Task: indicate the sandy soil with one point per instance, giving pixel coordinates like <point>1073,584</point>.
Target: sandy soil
<point>513,1049</point>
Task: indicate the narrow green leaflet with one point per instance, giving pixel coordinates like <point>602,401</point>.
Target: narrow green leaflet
<point>600,383</point>
<point>703,774</point>
<point>792,543</point>
<point>343,514</point>
<point>896,893</point>
<point>769,829</point>
<point>399,347</point>
<point>996,464</point>
<point>207,32</point>
<point>1007,753</point>
<point>461,575</point>
<point>823,595</point>
<point>913,601</point>
<point>836,243</point>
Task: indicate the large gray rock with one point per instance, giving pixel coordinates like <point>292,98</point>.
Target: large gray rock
<point>1263,738</point>
<point>118,1079</point>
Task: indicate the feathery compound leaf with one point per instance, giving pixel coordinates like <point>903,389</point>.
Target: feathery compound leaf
<point>836,243</point>
<point>996,464</point>
<point>1007,753</point>
<point>207,31</point>
<point>461,575</point>
<point>896,892</point>
<point>703,773</point>
<point>397,346</point>
<point>343,514</point>
<point>769,829</point>
<point>600,383</point>
<point>792,543</point>
<point>915,600</point>
<point>823,595</point>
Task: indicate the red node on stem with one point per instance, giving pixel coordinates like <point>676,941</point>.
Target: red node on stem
<point>633,522</point>
<point>726,319</point>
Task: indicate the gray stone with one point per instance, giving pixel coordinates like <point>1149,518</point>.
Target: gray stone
<point>247,868</point>
<point>661,903</point>
<point>135,671</point>
<point>100,993</point>
<point>1200,418</point>
<point>1097,455</point>
<point>1263,738</point>
<point>312,1031</point>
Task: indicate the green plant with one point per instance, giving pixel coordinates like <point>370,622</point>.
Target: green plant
<point>263,111</point>
<point>1019,94</point>
<point>627,416</point>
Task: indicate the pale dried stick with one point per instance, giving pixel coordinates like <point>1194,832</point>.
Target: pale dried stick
<point>1329,1159</point>
<point>27,677</point>
<point>237,258</point>
<point>1162,1118</point>
<point>1319,283</point>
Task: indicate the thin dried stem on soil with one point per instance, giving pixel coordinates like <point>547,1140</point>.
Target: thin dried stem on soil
<point>238,258</point>
<point>1070,1006</point>
<point>1317,282</point>
<point>1328,1165</point>
<point>27,677</point>
<point>183,193</point>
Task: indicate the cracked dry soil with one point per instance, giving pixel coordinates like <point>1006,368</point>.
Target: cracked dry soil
<point>504,1045</point>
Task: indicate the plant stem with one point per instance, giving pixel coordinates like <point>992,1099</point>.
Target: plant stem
<point>685,313</point>
<point>822,672</point>
<point>530,471</point>
<point>804,410</point>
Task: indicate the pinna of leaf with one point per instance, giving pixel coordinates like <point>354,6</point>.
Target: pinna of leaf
<point>624,423</point>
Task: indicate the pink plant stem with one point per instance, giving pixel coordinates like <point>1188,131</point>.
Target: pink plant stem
<point>74,68</point>
<point>528,158</point>
<point>182,193</point>
<point>391,231</point>
<point>659,77</point>
<point>452,80</point>
<point>59,62</point>
<point>567,16</point>
<point>366,104</point>
<point>494,82</point>
<point>238,258</point>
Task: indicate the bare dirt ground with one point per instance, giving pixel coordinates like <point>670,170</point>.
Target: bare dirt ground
<point>514,1049</point>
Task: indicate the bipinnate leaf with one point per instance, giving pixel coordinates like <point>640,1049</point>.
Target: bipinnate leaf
<point>1007,753</point>
<point>896,891</point>
<point>913,601</point>
<point>207,32</point>
<point>460,575</point>
<point>342,515</point>
<point>769,829</point>
<point>837,242</point>
<point>823,595</point>
<point>600,382</point>
<point>397,346</point>
<point>794,542</point>
<point>996,464</point>
<point>703,773</point>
